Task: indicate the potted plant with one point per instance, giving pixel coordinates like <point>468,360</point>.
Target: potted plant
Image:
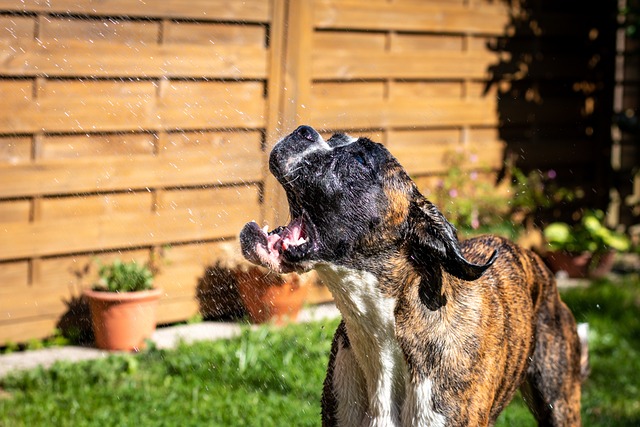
<point>265,295</point>
<point>585,249</point>
<point>268,296</point>
<point>123,306</point>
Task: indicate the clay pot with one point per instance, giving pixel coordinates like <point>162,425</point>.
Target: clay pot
<point>602,264</point>
<point>269,296</point>
<point>123,320</point>
<point>581,265</point>
<point>575,265</point>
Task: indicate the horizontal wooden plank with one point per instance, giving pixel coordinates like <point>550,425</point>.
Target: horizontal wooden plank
<point>51,147</point>
<point>171,310</point>
<point>375,41</point>
<point>328,40</point>
<point>420,153</point>
<point>15,211</point>
<point>426,89</point>
<point>427,42</point>
<point>93,115</point>
<point>398,112</point>
<point>198,105</point>
<point>449,137</point>
<point>60,280</point>
<point>350,64</point>
<point>88,88</point>
<point>13,276</point>
<point>95,205</point>
<point>15,149</point>
<point>215,10</point>
<point>216,34</point>
<point>99,30</point>
<point>367,15</point>
<point>73,235</point>
<point>23,330</point>
<point>348,89</point>
<point>74,273</point>
<point>17,27</point>
<point>205,143</point>
<point>71,58</point>
<point>135,113</point>
<point>16,90</point>
<point>180,280</point>
<point>239,164</point>
<point>29,302</point>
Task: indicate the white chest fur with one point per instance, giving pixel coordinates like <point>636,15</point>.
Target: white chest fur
<point>370,321</point>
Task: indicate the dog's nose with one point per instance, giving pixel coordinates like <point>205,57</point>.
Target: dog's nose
<point>307,132</point>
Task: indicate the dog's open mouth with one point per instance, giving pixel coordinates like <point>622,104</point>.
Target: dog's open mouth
<point>282,249</point>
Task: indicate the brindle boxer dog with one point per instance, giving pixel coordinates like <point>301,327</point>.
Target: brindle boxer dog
<point>434,332</point>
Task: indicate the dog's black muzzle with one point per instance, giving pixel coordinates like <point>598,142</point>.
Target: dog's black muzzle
<point>287,153</point>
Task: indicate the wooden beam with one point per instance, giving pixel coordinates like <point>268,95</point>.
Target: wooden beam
<point>214,10</point>
<point>294,21</point>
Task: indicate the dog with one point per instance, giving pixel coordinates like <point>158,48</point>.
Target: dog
<point>434,332</point>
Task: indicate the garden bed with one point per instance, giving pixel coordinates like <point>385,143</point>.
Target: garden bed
<point>271,376</point>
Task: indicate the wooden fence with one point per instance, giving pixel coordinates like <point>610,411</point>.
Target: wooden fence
<point>136,128</point>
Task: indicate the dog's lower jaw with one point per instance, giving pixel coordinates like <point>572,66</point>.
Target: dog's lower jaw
<point>377,398</point>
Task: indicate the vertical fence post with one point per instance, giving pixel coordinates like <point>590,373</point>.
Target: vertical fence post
<point>289,89</point>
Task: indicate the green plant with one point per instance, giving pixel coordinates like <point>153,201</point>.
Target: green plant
<point>468,201</point>
<point>124,277</point>
<point>537,191</point>
<point>268,376</point>
<point>588,235</point>
<point>10,347</point>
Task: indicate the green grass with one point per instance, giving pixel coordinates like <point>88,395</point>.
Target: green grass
<point>611,393</point>
<point>274,377</point>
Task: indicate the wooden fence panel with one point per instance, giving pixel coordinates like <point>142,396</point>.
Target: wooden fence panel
<point>136,128</point>
<point>410,72</point>
<point>124,125</point>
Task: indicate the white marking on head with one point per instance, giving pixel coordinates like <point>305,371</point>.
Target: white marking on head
<point>320,145</point>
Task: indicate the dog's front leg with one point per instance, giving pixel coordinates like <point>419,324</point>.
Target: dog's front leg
<point>348,387</point>
<point>354,400</point>
<point>418,407</point>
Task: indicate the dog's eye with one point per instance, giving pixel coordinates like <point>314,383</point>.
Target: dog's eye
<point>360,159</point>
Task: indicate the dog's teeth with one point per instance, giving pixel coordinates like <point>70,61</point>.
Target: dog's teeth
<point>265,229</point>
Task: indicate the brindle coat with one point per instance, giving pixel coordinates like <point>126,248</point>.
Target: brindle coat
<point>434,331</point>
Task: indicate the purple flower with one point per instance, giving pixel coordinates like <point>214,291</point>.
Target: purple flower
<point>453,192</point>
<point>475,221</point>
<point>551,174</point>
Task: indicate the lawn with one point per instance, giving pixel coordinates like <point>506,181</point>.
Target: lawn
<point>273,377</point>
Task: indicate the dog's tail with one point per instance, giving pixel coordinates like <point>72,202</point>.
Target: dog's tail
<point>583,334</point>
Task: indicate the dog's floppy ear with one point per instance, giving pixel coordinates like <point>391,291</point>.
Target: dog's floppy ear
<point>432,238</point>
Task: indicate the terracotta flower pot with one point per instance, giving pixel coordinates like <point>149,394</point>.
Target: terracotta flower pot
<point>123,321</point>
<point>582,265</point>
<point>269,296</point>
<point>576,265</point>
<point>602,264</point>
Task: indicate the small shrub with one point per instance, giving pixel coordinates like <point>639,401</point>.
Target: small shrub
<point>124,277</point>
